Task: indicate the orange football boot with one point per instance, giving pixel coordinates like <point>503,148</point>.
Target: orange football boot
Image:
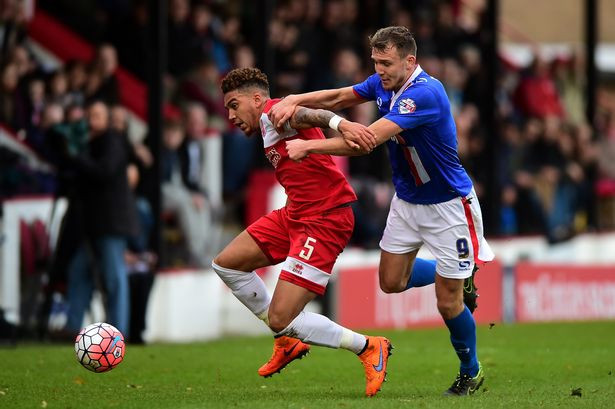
<point>374,360</point>
<point>285,350</point>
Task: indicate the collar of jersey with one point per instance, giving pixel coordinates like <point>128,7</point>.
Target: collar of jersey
<point>417,71</point>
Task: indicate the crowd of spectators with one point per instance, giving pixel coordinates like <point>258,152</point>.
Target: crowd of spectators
<point>547,155</point>
<point>69,117</point>
<point>550,162</point>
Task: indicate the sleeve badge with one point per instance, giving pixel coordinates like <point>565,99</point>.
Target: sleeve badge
<point>407,106</point>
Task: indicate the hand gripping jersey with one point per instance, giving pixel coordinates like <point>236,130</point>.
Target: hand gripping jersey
<point>313,185</point>
<point>424,160</point>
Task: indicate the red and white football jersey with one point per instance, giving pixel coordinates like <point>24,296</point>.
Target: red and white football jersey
<point>313,185</point>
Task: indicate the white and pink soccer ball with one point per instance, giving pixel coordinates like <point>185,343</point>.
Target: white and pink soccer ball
<point>100,347</point>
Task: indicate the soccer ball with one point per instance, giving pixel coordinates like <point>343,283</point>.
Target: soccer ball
<point>100,347</point>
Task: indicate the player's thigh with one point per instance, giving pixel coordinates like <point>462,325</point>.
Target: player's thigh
<point>446,234</point>
<point>265,242</point>
<point>242,254</point>
<point>401,234</point>
<point>316,242</point>
<point>287,302</point>
<point>394,270</point>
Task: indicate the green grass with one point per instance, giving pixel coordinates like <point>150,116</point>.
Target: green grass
<point>527,366</point>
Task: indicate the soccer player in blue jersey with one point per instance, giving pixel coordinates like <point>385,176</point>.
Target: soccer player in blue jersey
<point>435,204</point>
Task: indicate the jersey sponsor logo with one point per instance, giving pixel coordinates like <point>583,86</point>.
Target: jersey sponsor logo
<point>407,106</point>
<point>274,157</point>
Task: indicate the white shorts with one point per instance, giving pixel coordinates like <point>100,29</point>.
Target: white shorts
<point>452,232</point>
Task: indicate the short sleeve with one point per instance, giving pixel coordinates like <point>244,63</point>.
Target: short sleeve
<point>367,88</point>
<point>270,134</point>
<point>414,108</point>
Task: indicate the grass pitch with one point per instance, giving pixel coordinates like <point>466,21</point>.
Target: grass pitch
<point>527,366</point>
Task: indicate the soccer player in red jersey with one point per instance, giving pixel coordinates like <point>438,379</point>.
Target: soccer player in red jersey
<point>307,234</point>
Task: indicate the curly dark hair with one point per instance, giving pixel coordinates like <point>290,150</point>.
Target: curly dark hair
<point>241,78</point>
<point>396,36</point>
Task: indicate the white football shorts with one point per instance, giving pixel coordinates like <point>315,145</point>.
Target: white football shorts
<point>452,231</point>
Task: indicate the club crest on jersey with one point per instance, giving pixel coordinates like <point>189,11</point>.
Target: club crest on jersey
<point>274,157</point>
<point>407,106</point>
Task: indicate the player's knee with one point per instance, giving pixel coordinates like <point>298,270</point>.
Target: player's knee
<point>220,261</point>
<point>449,308</point>
<point>391,286</point>
<point>388,288</point>
<point>227,262</point>
<point>278,321</point>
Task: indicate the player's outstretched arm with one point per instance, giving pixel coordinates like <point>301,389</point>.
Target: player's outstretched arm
<point>356,135</point>
<point>332,99</point>
<point>298,149</point>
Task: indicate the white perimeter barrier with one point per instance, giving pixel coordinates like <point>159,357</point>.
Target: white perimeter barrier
<point>222,314</point>
<point>195,305</point>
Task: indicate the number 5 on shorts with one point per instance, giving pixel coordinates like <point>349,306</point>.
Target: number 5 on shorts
<point>307,254</point>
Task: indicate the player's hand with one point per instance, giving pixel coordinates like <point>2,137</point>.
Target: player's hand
<point>282,112</point>
<point>357,136</point>
<point>297,149</point>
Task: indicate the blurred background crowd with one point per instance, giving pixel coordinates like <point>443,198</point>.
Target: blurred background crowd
<point>554,170</point>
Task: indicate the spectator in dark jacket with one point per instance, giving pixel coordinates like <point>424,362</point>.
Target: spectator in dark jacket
<point>109,217</point>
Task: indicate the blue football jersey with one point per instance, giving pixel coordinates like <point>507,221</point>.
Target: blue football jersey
<point>424,159</point>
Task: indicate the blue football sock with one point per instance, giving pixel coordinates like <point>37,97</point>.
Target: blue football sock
<point>463,338</point>
<point>423,273</point>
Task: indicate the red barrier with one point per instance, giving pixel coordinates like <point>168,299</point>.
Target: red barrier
<point>554,292</point>
<point>361,303</point>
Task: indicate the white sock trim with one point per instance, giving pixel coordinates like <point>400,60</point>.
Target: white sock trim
<point>264,316</point>
<point>230,276</point>
<point>352,341</point>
